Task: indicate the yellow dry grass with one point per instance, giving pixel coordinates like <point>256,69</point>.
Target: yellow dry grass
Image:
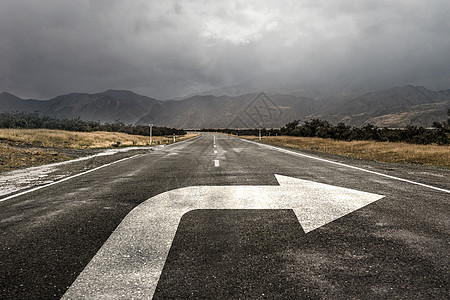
<point>15,157</point>
<point>81,140</point>
<point>28,147</point>
<point>432,155</point>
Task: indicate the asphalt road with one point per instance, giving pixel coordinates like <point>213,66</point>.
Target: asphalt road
<point>395,247</point>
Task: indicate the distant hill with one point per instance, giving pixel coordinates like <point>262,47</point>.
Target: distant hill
<point>9,102</point>
<point>396,107</point>
<point>108,106</point>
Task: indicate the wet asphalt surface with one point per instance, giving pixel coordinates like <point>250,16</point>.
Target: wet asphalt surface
<point>397,247</point>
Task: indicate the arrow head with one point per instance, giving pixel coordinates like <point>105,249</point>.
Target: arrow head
<point>316,204</point>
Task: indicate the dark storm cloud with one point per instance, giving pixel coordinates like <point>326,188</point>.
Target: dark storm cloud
<point>170,48</point>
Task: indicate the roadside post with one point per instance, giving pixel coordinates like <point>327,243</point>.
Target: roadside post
<point>150,125</point>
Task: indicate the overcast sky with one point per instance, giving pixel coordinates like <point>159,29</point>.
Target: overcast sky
<point>166,49</point>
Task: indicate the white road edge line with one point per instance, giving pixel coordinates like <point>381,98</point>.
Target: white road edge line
<point>348,166</point>
<point>216,163</point>
<point>67,178</point>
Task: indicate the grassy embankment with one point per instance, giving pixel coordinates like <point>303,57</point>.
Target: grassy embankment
<point>29,147</point>
<point>432,155</point>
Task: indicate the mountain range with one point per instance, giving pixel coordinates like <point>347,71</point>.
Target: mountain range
<point>395,108</point>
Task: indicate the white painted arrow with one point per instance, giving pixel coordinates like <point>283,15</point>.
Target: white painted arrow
<point>129,264</point>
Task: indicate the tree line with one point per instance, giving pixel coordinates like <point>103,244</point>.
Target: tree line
<point>37,121</point>
<point>343,132</point>
<point>439,134</point>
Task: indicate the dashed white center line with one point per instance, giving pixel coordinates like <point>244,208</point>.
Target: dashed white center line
<point>215,151</point>
<point>216,163</point>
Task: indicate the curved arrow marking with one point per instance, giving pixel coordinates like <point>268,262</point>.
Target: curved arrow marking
<point>129,264</point>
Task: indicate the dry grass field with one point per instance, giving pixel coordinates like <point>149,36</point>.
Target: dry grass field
<point>29,147</point>
<point>80,140</point>
<point>432,155</point>
<point>13,157</point>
